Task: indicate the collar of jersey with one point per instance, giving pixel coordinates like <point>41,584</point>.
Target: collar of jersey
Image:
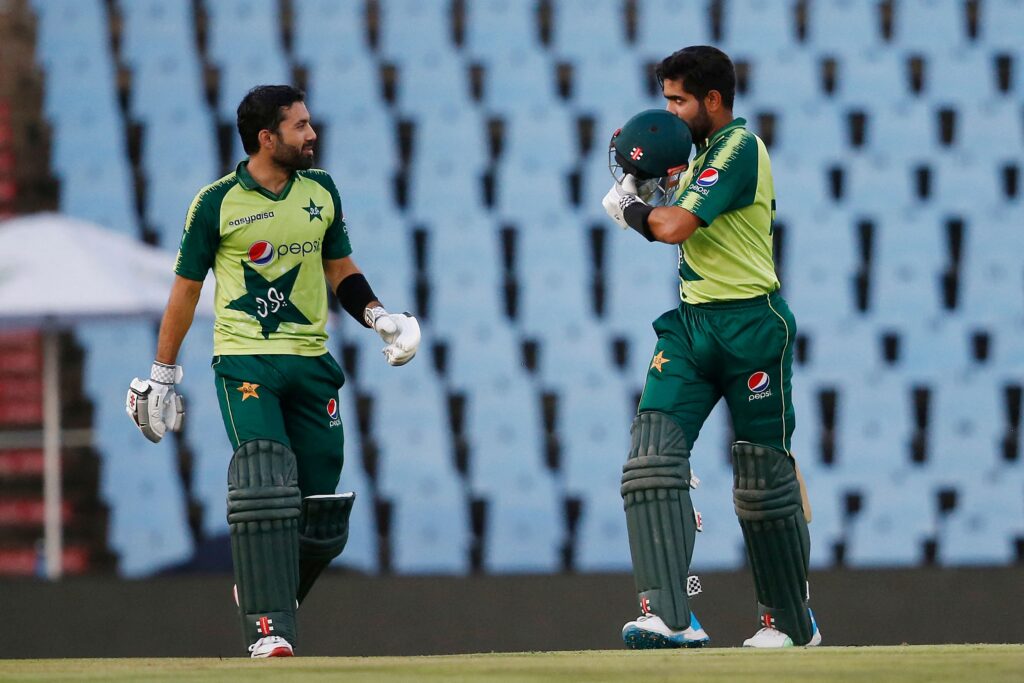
<point>249,183</point>
<point>735,123</point>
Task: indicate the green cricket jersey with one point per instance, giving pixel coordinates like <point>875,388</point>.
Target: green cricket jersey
<point>729,187</point>
<point>266,251</point>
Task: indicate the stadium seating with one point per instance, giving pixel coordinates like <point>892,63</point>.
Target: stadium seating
<point>470,187</point>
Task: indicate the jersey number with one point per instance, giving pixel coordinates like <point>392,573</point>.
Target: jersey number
<point>264,307</point>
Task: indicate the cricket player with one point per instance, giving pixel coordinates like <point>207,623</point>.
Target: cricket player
<point>273,231</point>
<point>731,336</point>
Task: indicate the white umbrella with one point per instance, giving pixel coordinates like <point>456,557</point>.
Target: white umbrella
<point>56,270</point>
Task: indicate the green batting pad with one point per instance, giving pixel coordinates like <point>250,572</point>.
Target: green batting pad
<point>263,517</point>
<point>323,533</point>
<point>767,498</point>
<point>659,516</point>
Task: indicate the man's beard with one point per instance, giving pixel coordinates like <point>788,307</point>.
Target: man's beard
<point>701,125</point>
<point>291,158</point>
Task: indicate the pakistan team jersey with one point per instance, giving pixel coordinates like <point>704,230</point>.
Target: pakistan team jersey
<point>266,251</point>
<point>729,187</point>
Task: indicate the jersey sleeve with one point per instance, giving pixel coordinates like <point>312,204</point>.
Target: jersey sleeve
<point>727,182</point>
<point>200,240</point>
<point>336,242</point>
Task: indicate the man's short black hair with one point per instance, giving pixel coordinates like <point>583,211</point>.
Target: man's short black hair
<point>263,107</point>
<point>702,68</point>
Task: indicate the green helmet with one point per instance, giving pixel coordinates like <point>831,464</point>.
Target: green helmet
<point>654,146</point>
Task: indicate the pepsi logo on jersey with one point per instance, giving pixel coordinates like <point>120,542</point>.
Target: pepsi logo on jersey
<point>758,383</point>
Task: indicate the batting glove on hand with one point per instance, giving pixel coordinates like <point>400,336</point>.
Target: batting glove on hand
<point>619,197</point>
<point>400,331</point>
<point>153,405</point>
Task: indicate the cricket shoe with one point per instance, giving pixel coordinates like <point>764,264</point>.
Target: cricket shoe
<point>649,632</point>
<point>270,646</point>
<point>768,637</point>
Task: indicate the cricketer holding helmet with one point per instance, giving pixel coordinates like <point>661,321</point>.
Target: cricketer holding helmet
<point>272,230</point>
<point>732,336</point>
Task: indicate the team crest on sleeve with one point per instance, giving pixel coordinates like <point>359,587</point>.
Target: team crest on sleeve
<point>708,177</point>
<point>262,253</point>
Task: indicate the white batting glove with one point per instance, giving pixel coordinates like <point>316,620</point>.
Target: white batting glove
<point>400,331</point>
<point>618,198</point>
<point>153,405</point>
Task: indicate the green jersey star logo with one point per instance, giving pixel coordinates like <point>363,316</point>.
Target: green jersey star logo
<point>314,211</point>
<point>267,300</point>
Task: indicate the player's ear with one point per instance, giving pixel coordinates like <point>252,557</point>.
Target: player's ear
<point>713,100</point>
<point>266,138</point>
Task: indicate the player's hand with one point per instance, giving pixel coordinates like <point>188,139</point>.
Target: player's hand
<point>153,405</point>
<point>400,331</point>
<point>618,198</point>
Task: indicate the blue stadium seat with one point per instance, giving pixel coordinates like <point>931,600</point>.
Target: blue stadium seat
<point>821,293</point>
<point>711,454</point>
<point>966,425</point>
<point>496,26</point>
<point>1000,23</point>
<point>168,88</point>
<point>361,549</point>
<point>452,129</point>
<point>518,78</point>
<point>503,427</point>
<point>933,352</point>
<point>139,480</point>
<point>892,526</point>
<point>70,28</point>
<point>873,428</point>
<point>664,26</point>
<point>345,88</point>
<point>533,195</point>
<point>789,80</point>
<point>994,131</point>
<point>436,182</point>
<point>930,25</point>
<point>770,26</point>
<point>581,25</point>
<point>907,131</point>
<point>573,351</point>
<point>541,135</point>
<point>602,542</point>
<point>986,524</point>
<point>430,531</point>
<point>873,77</point>
<point>156,29</point>
<point>343,22</point>
<point>552,267</point>
<point>593,428</point>
<point>411,429</point>
<point>240,73</point>
<point>171,192</point>
<point>992,279</point>
<point>875,186</point>
<point>720,545</point>
<point>244,29</point>
<point>838,352</point>
<point>605,74</point>
<point>411,29</point>
<point>961,78</point>
<point>641,283</point>
<point>525,528</point>
<point>847,28</point>
<point>825,493</point>
<point>432,81</point>
<point>481,351</point>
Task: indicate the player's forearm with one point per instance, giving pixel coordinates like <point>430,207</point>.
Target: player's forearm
<point>181,309</point>
<point>672,225</point>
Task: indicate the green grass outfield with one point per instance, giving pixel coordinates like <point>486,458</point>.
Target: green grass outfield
<point>975,663</point>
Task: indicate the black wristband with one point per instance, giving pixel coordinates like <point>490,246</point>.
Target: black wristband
<point>636,215</point>
<point>354,295</point>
